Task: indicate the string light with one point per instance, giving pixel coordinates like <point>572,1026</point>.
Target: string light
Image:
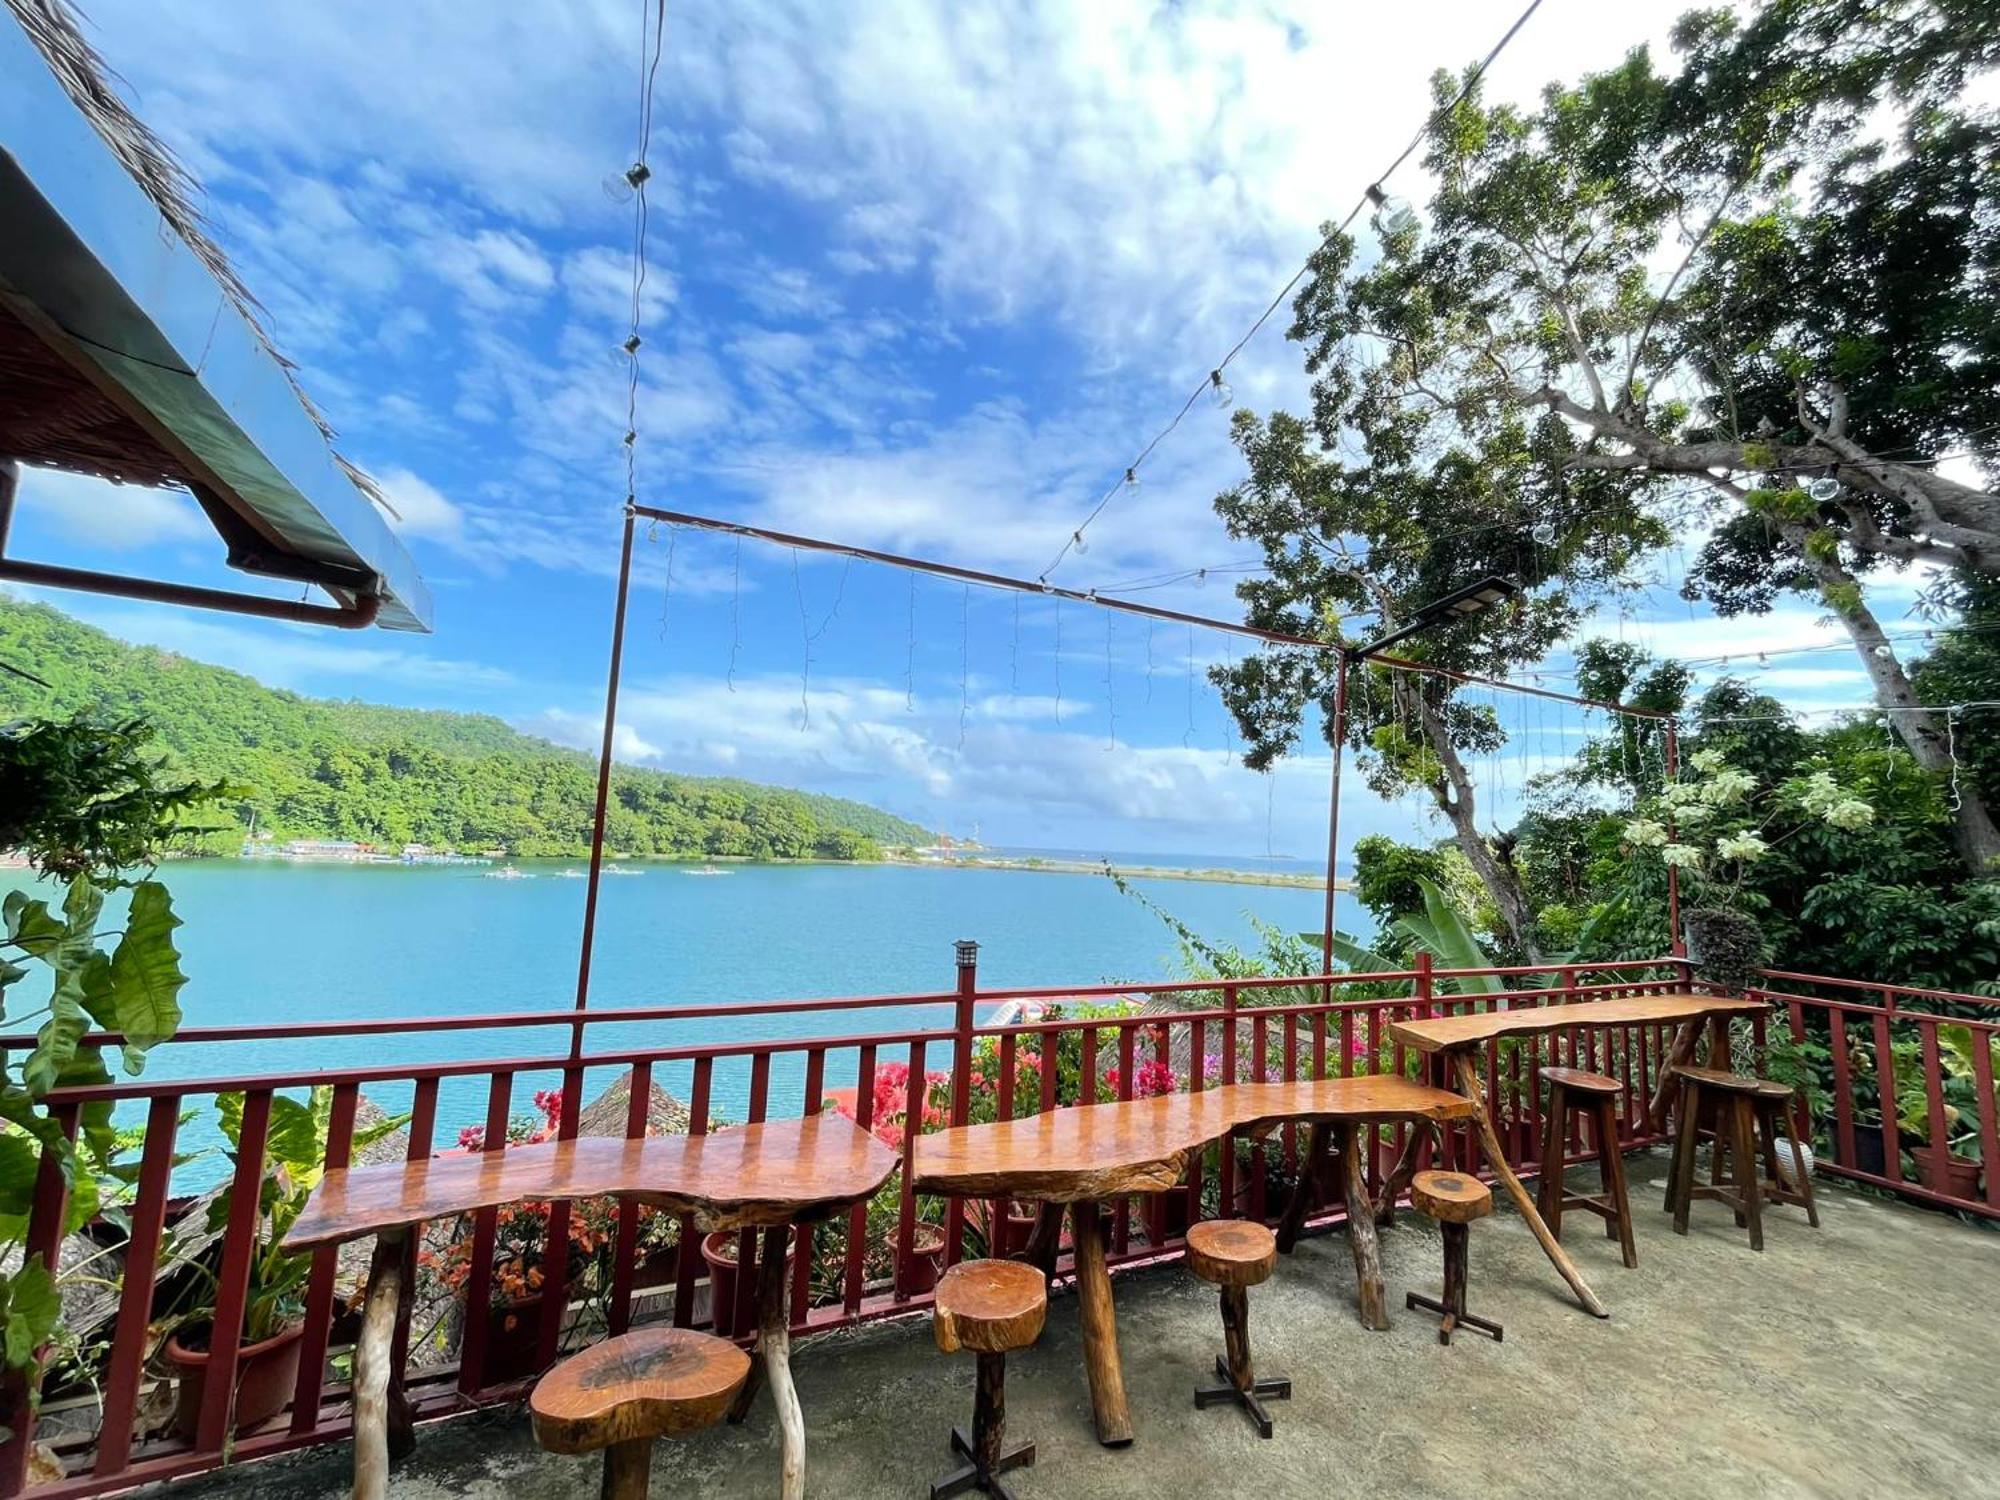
<point>964,659</point>
<point>653,28</point>
<point>1211,383</point>
<point>910,659</point>
<point>667,593</point>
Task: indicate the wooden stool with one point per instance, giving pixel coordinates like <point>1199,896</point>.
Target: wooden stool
<point>990,1307</point>
<point>1235,1255</point>
<point>1454,1200</point>
<point>1596,1096</point>
<point>624,1393</point>
<point>1750,1112</point>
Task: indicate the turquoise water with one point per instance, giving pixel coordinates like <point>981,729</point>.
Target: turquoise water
<point>271,943</point>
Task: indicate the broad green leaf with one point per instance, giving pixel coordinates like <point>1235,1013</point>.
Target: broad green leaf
<point>33,1310</point>
<point>146,975</point>
<point>32,927</point>
<point>229,1117</point>
<point>82,903</point>
<point>368,1135</point>
<point>294,1141</point>
<point>1448,938</point>
<point>20,1164</point>
<point>55,1043</point>
<point>1360,959</point>
<point>9,973</point>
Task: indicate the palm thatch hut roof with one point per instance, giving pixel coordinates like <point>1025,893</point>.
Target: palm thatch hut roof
<point>131,350</point>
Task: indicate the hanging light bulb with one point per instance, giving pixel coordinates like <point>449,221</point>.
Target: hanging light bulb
<point>1219,391</point>
<point>1824,489</point>
<point>1544,533</point>
<point>1393,216</point>
<point>1077,543</point>
<point>1201,578</point>
<point>1132,479</point>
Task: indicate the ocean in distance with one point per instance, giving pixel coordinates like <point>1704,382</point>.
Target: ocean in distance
<point>268,942</point>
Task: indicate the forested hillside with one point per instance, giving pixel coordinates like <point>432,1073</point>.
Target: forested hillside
<point>320,768</point>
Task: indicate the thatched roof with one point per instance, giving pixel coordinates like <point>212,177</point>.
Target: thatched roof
<point>55,29</point>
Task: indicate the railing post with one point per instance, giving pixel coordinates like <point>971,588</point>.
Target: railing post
<point>966,952</point>
<point>1423,984</point>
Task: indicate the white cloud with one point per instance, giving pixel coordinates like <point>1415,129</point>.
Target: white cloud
<point>122,517</point>
<point>598,283</point>
<point>420,508</point>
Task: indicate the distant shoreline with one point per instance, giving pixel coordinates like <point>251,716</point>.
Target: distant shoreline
<point>1037,865</point>
<point>1024,864</point>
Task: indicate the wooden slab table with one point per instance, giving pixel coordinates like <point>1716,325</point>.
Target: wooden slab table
<point>1456,1038</point>
<point>1083,1155</point>
<point>768,1176</point>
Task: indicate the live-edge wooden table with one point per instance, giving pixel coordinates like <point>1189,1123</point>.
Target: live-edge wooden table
<point>1082,1155</point>
<point>768,1176</point>
<point>1457,1038</point>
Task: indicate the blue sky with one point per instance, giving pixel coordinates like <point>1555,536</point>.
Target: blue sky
<point>921,277</point>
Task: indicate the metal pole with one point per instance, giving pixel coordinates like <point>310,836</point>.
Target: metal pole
<point>590,890</point>
<point>1673,757</point>
<point>1339,737</point>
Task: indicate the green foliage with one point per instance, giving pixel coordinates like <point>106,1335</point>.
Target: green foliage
<point>306,768</point>
<point>87,796</point>
<point>293,1163</point>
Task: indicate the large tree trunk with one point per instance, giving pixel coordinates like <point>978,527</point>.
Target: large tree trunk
<point>1925,733</point>
<point>1457,799</point>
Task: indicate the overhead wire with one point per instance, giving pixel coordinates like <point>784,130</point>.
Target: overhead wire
<point>1212,381</point>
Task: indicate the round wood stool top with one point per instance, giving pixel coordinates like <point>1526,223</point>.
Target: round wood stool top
<point>990,1306</point>
<point>1733,1083</point>
<point>1231,1252</point>
<point>1451,1197</point>
<point>1577,1081</point>
<point>657,1382</point>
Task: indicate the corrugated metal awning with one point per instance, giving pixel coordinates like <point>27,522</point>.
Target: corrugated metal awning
<point>123,354</point>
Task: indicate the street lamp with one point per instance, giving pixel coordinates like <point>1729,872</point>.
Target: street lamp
<point>1470,600</point>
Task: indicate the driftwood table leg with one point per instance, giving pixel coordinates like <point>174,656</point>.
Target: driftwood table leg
<point>774,1343</point>
<point>1401,1174</point>
<point>1373,1296</point>
<point>371,1366</point>
<point>1681,1052</point>
<point>1100,1327</point>
<point>1468,1085</point>
<point>1045,1241</point>
<point>1317,1139</point>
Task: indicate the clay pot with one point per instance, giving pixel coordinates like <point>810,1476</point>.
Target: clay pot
<point>926,1257</point>
<point>266,1374</point>
<point>1941,1172</point>
<point>719,1251</point>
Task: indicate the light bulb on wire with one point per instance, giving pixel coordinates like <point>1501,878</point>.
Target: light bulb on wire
<point>1077,544</point>
<point>1393,216</point>
<point>1219,391</point>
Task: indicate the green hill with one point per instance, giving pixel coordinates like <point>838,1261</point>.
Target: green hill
<point>319,768</point>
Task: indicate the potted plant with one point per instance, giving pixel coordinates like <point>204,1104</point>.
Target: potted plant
<point>1726,945</point>
<point>267,1358</point>
<point>719,1249</point>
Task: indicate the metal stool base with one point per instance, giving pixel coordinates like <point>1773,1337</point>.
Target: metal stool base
<point>1277,1388</point>
<point>972,1477</point>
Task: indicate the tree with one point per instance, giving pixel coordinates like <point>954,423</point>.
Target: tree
<point>1766,287</point>
<point>1384,503</point>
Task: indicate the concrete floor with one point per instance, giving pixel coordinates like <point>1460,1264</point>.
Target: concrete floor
<point>1863,1359</point>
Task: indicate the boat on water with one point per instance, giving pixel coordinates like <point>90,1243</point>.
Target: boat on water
<point>621,870</point>
<point>705,870</point>
<point>571,874</point>
<point>506,872</point>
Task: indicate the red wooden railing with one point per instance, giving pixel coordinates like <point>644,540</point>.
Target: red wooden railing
<point>1339,1027</point>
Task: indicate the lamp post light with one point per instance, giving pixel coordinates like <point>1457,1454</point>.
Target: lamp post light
<point>1470,600</point>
